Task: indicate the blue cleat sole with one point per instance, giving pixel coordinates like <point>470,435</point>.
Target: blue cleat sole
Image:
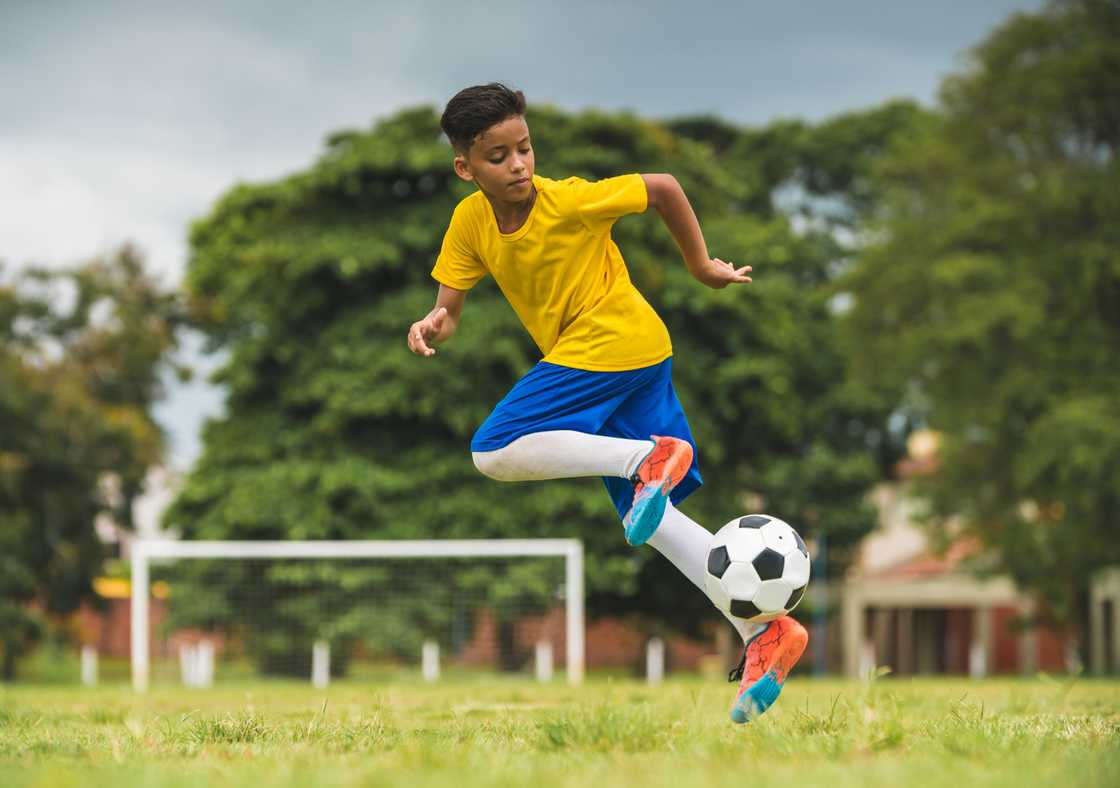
<point>757,699</point>
<point>644,517</point>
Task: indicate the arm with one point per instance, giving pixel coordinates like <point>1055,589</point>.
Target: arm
<point>667,196</point>
<point>439,324</point>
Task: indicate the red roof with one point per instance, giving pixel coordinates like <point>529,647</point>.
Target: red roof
<point>929,564</point>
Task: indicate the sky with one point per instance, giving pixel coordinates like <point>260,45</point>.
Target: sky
<point>126,120</point>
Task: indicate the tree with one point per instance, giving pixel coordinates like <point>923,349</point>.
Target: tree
<point>333,430</point>
<point>80,355</point>
<point>992,293</point>
<point>820,174</point>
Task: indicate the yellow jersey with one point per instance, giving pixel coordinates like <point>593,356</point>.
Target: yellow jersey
<point>562,273</point>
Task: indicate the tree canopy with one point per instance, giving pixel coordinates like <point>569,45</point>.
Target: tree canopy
<point>81,353</point>
<point>992,293</point>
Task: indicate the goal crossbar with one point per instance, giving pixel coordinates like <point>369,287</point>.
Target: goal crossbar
<point>143,551</point>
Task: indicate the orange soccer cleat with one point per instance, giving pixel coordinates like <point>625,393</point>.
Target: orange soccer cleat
<point>768,658</point>
<point>662,470</point>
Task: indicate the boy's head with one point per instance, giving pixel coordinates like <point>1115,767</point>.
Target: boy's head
<point>487,129</point>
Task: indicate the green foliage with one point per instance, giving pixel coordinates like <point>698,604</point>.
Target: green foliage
<point>822,172</point>
<point>335,431</point>
<point>80,355</point>
<point>993,294</point>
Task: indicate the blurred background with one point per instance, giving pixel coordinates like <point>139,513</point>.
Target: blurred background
<point>216,224</point>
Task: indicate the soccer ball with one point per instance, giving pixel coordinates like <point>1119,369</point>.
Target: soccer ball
<point>758,568</point>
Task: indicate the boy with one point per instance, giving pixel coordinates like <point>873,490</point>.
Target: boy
<point>601,401</point>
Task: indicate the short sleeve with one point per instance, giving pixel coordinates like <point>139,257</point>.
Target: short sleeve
<point>458,264</point>
<point>601,203</point>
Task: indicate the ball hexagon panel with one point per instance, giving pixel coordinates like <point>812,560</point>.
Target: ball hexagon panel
<point>769,564</point>
<point>718,561</point>
<point>772,595</point>
<point>740,580</point>
<point>753,521</point>
<point>797,568</point>
<point>779,537</point>
<point>744,545</point>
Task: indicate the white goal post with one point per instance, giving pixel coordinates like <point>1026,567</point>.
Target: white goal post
<point>143,551</point>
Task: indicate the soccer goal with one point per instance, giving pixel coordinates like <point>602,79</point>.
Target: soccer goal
<point>317,610</point>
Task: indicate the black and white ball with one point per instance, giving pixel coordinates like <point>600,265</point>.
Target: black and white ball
<point>758,568</point>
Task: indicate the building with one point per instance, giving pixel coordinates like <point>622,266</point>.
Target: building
<point>919,611</point>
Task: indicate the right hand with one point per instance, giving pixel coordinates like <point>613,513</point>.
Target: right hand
<point>424,332</point>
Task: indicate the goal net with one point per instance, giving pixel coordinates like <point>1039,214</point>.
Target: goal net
<point>320,611</point>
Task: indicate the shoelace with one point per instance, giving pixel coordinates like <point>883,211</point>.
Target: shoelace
<point>737,672</point>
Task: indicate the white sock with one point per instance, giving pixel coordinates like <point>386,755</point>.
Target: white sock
<point>685,543</point>
<point>562,454</point>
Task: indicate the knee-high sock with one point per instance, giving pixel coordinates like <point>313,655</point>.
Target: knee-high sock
<point>561,454</point>
<point>685,543</point>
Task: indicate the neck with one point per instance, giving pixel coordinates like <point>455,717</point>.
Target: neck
<point>511,215</point>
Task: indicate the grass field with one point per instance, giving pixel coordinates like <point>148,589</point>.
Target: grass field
<point>607,733</point>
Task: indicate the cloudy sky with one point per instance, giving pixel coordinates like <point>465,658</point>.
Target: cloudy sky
<point>126,120</point>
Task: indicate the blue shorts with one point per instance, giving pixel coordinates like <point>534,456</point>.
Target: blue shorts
<point>633,404</point>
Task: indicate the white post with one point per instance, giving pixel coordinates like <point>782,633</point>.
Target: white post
<point>139,623</point>
<point>188,665</point>
<point>655,660</point>
<point>981,642</point>
<point>429,660</point>
<point>320,664</point>
<point>543,660</point>
<point>867,660</point>
<point>89,666</point>
<point>977,661</point>
<point>573,571</point>
<point>204,663</point>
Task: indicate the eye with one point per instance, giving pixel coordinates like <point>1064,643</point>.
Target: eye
<point>497,160</point>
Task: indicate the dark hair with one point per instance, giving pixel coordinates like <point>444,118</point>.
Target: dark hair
<point>473,110</point>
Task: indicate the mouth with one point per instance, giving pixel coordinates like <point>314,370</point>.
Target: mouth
<point>520,182</point>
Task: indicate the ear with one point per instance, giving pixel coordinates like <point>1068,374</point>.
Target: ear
<point>462,167</point>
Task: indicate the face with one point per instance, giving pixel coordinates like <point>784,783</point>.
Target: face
<point>500,161</point>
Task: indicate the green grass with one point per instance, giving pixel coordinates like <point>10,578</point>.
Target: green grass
<point>607,733</point>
